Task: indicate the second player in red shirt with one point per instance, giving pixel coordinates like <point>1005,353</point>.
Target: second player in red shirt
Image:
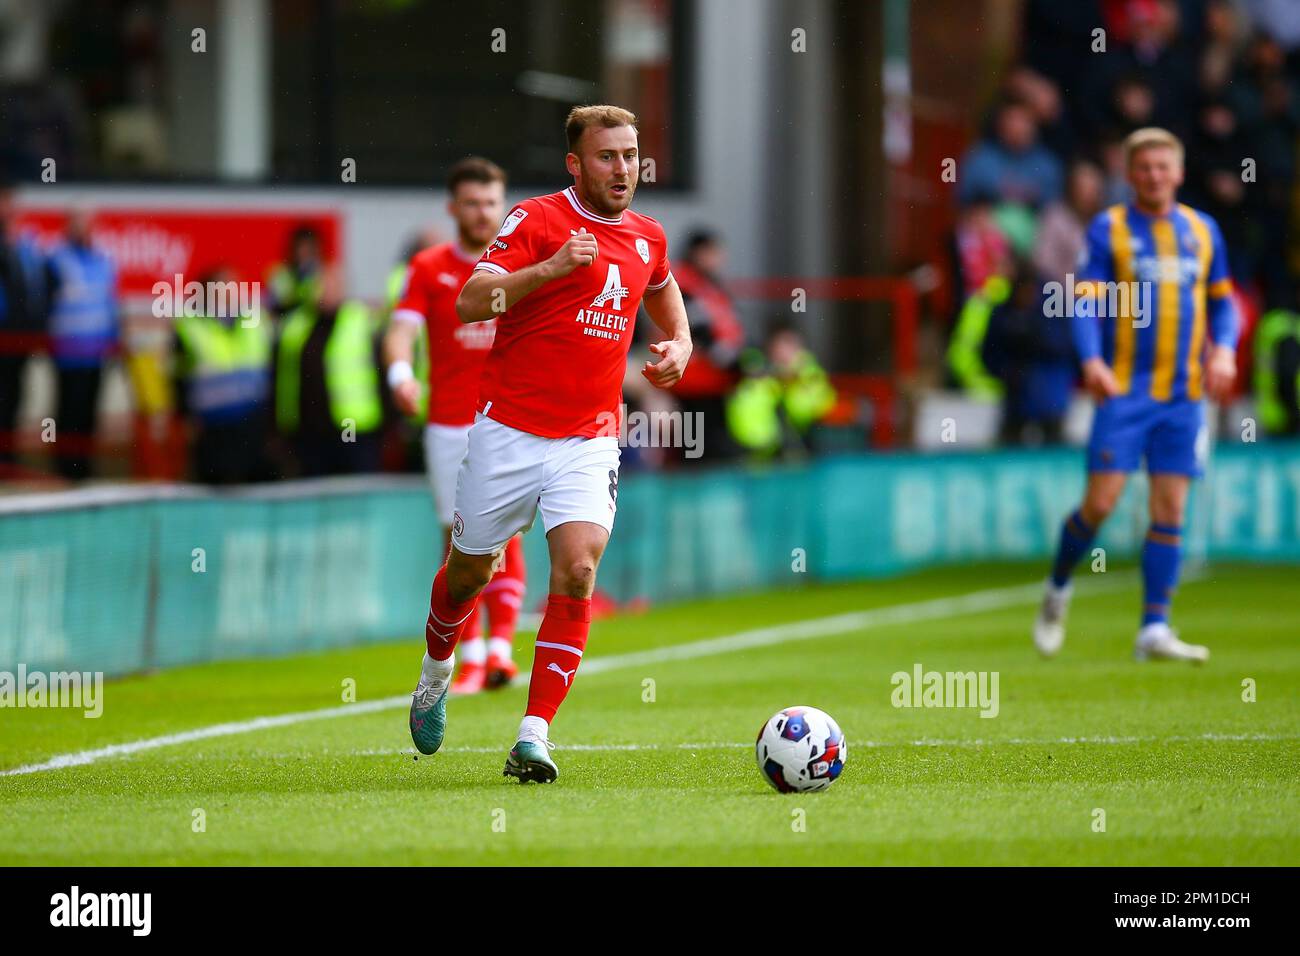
<point>457,353</point>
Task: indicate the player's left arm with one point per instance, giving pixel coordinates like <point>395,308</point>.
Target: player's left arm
<point>1224,322</point>
<point>667,310</point>
<point>1097,266</point>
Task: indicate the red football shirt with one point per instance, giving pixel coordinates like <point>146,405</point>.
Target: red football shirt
<point>456,351</point>
<point>557,367</point>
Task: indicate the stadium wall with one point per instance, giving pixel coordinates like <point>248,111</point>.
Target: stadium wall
<point>122,580</point>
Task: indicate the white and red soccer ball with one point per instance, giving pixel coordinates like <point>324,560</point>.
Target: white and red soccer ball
<point>801,749</point>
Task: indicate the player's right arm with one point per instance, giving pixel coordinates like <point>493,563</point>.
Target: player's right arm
<point>501,280</point>
<point>399,352</point>
<point>399,344</point>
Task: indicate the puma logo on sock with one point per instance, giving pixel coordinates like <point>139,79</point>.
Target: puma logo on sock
<point>561,671</point>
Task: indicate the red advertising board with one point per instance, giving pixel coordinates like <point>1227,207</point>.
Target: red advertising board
<point>152,245</point>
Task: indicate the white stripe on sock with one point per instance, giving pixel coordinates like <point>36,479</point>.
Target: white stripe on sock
<point>451,624</point>
<point>559,647</point>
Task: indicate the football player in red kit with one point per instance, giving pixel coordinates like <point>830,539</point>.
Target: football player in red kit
<point>563,277</point>
<point>457,353</point>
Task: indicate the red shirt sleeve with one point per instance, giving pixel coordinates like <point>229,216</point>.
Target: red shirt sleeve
<point>662,271</point>
<point>413,305</point>
<point>519,243</point>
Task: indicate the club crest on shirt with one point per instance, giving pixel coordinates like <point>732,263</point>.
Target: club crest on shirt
<point>512,222</point>
<point>643,250</point>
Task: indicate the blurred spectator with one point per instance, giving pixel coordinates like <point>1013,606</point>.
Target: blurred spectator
<point>27,284</point>
<point>1132,105</point>
<point>222,379</point>
<point>84,333</point>
<point>328,399</point>
<point>783,394</point>
<point>718,337</point>
<point>979,246</point>
<point>1032,354</point>
<point>1265,103</point>
<point>1279,19</point>
<point>1148,73</point>
<point>1116,188</point>
<point>1010,165</point>
<point>1043,99</point>
<point>296,281</point>
<point>1224,37</point>
<point>1214,181</point>
<point>1005,347</point>
<point>1063,224</point>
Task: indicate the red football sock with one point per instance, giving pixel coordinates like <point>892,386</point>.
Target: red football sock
<point>504,594</point>
<point>560,643</point>
<point>447,621</point>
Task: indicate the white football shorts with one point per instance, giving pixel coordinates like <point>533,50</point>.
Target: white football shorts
<point>508,475</point>
<point>444,450</point>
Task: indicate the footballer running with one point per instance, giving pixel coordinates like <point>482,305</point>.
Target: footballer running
<point>1149,374</point>
<point>457,354</point>
<point>563,277</point>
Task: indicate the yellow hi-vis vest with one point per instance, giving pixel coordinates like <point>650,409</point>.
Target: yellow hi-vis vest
<point>290,291</point>
<point>351,379</point>
<point>965,350</point>
<point>753,410</point>
<point>1273,329</point>
<point>226,367</point>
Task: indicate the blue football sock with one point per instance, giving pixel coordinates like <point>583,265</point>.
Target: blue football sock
<point>1076,539</point>
<point>1161,553</point>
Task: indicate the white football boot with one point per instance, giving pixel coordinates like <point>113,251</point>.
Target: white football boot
<point>1158,642</point>
<point>1049,626</point>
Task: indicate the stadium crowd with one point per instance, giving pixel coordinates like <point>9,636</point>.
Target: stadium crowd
<point>302,393</point>
<point>1223,76</point>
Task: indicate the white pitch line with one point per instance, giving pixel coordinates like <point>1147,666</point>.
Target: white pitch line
<point>1105,740</point>
<point>923,742</point>
<point>202,733</point>
<point>917,611</point>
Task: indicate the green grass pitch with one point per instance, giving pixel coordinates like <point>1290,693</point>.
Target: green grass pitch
<point>1185,771</point>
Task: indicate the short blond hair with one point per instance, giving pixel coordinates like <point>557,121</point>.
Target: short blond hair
<point>583,117</point>
<point>1148,137</point>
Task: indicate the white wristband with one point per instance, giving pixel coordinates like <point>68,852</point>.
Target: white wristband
<point>399,372</point>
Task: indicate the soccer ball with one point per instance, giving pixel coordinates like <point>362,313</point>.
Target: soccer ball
<point>801,749</point>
